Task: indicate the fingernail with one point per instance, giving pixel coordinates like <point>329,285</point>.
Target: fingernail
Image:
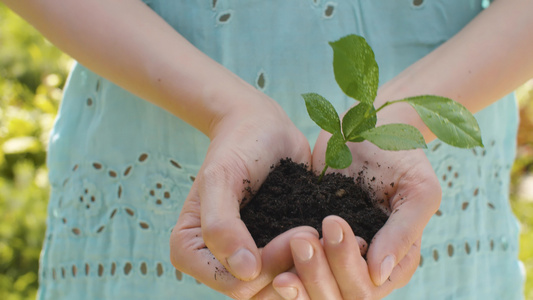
<point>242,264</point>
<point>287,292</point>
<point>302,249</point>
<point>333,232</point>
<point>386,268</point>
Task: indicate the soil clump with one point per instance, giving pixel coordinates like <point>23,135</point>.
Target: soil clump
<point>291,196</point>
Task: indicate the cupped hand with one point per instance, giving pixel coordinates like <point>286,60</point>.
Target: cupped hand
<point>209,241</point>
<point>335,268</point>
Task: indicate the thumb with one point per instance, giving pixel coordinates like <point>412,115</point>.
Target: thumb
<point>411,211</point>
<point>221,190</point>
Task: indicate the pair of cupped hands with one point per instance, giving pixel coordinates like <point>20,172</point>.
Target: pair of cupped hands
<point>212,244</point>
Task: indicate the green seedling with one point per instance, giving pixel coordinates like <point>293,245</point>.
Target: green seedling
<point>356,72</point>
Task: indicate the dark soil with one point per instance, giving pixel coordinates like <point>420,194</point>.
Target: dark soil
<point>291,196</point>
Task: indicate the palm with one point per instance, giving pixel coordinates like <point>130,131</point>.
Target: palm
<point>407,183</point>
<point>209,226</point>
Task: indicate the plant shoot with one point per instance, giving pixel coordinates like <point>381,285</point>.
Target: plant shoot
<point>356,72</point>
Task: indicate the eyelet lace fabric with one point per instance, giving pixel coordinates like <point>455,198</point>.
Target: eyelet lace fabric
<point>121,168</point>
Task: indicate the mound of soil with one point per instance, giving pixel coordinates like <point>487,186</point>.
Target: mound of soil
<point>291,196</point>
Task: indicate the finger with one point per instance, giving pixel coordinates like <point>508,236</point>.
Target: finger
<point>312,266</point>
<point>345,260</point>
<point>289,286</point>
<point>414,203</point>
<point>281,246</point>
<point>402,273</point>
<point>224,177</point>
<point>363,245</point>
<point>186,236</point>
<point>189,255</point>
<point>286,285</point>
<point>221,191</point>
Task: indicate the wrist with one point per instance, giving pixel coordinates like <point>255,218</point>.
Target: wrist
<point>233,108</point>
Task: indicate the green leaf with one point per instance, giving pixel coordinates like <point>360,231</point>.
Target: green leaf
<point>395,137</point>
<point>338,156</point>
<point>357,120</point>
<point>322,112</point>
<point>355,68</point>
<point>451,122</point>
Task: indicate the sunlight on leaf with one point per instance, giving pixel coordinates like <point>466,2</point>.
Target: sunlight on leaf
<point>338,155</point>
<point>395,137</point>
<point>356,70</point>
<point>451,122</point>
<point>322,112</point>
<point>356,121</point>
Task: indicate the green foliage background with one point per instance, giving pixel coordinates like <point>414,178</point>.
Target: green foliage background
<point>32,72</point>
<point>523,166</point>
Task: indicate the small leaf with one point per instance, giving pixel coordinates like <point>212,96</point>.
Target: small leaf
<point>338,155</point>
<point>450,121</point>
<point>395,137</point>
<point>356,120</point>
<point>322,112</point>
<point>355,68</point>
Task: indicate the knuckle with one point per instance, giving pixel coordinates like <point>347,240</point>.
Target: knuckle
<point>177,253</point>
<point>213,230</point>
<point>407,268</point>
<point>238,296</point>
<point>244,294</point>
<point>408,239</point>
<point>213,172</point>
<point>367,294</point>
<point>229,171</point>
<point>223,163</point>
<point>261,297</point>
<point>315,281</point>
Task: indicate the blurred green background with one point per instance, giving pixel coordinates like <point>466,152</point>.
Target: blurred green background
<point>32,72</point>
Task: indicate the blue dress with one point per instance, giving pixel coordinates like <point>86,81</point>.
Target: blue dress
<point>120,167</point>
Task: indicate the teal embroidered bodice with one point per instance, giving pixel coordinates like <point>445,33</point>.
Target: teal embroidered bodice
<point>120,167</point>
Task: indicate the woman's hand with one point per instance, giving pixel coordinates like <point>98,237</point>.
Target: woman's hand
<point>244,145</point>
<point>409,183</point>
<point>335,268</point>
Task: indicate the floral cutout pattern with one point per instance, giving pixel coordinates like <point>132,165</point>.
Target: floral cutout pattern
<point>81,207</point>
<point>111,269</point>
<point>111,195</point>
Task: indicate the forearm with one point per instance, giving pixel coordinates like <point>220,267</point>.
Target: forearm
<point>486,60</point>
<point>126,42</point>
